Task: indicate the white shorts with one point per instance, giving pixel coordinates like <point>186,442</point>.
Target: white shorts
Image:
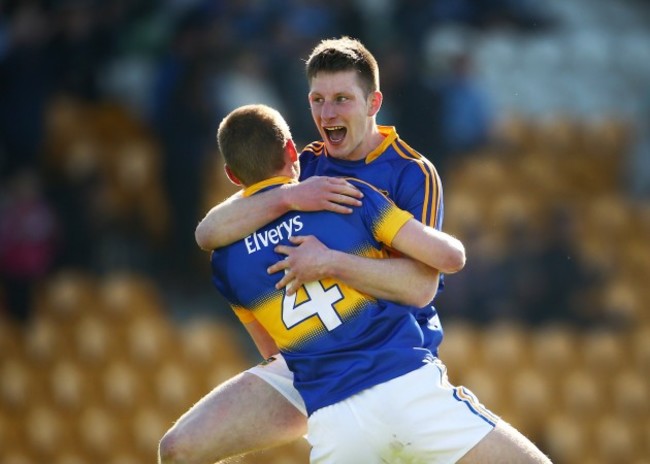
<point>276,373</point>
<point>416,418</point>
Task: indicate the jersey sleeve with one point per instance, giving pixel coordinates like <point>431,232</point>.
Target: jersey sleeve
<point>418,189</point>
<point>384,218</point>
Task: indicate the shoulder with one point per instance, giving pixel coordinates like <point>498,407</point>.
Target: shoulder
<point>402,156</point>
<point>313,149</point>
<point>369,191</point>
<point>411,156</point>
<point>397,148</point>
<point>413,164</point>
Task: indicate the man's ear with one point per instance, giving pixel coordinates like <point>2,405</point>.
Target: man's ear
<point>290,147</point>
<point>231,176</point>
<point>375,99</point>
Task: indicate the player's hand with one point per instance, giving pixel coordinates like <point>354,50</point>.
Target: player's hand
<point>323,193</point>
<point>306,262</point>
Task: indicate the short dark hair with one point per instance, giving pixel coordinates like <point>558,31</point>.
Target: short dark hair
<point>344,54</point>
<point>252,139</point>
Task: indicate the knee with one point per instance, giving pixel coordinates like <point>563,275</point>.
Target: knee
<point>181,446</point>
<point>170,449</point>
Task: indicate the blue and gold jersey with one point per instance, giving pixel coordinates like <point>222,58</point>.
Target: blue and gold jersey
<point>336,340</point>
<point>407,178</point>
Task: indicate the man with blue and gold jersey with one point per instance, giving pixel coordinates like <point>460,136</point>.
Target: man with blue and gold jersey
<point>260,407</point>
<point>336,340</point>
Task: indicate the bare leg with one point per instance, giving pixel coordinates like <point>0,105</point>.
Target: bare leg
<point>241,415</point>
<point>502,445</point>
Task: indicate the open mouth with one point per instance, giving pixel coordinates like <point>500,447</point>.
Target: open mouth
<point>335,134</point>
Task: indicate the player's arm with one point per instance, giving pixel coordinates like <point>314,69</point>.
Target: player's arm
<point>430,246</point>
<point>402,280</point>
<point>263,341</point>
<point>239,216</point>
<point>399,280</point>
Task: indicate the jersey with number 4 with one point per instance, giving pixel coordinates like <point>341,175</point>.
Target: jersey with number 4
<point>407,178</point>
<point>336,340</point>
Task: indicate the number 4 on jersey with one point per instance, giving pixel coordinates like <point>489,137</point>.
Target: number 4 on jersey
<point>320,302</point>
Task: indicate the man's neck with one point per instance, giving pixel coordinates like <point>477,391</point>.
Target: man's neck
<point>370,143</point>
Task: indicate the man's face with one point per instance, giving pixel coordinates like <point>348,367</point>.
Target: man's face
<point>342,113</point>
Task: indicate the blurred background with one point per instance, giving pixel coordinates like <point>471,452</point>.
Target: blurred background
<point>536,114</point>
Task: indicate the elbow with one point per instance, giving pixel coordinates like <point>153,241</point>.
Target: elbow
<point>455,260</point>
<point>172,448</point>
<point>424,293</point>
<point>204,238</point>
<point>424,297</point>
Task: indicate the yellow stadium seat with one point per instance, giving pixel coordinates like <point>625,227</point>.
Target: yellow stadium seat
<point>176,387</point>
<point>615,440</point>
<point>150,340</point>
<point>486,386</point>
<point>531,399</point>
<point>70,386</point>
<point>122,385</point>
<point>640,341</point>
<point>602,352</point>
<point>11,337</point>
<point>16,457</point>
<point>126,296</point>
<point>44,343</point>
<point>17,385</point>
<point>460,349</point>
<point>125,457</point>
<point>11,433</point>
<point>66,296</point>
<point>45,431</point>
<point>621,302</point>
<point>99,433</point>
<point>69,458</point>
<point>94,342</point>
<point>147,427</point>
<point>553,349</point>
<point>631,396</point>
<point>504,348</point>
<point>567,439</point>
<point>582,395</point>
<point>206,342</point>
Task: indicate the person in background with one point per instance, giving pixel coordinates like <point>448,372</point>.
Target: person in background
<point>29,242</point>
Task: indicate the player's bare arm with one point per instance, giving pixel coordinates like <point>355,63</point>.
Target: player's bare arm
<point>430,246</point>
<point>238,216</point>
<point>402,280</point>
<point>263,341</point>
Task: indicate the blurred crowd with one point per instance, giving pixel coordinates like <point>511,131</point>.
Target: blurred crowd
<point>108,113</point>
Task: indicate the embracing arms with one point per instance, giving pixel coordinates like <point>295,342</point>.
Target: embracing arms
<point>430,246</point>
<point>398,279</point>
<point>240,216</point>
<point>407,281</point>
